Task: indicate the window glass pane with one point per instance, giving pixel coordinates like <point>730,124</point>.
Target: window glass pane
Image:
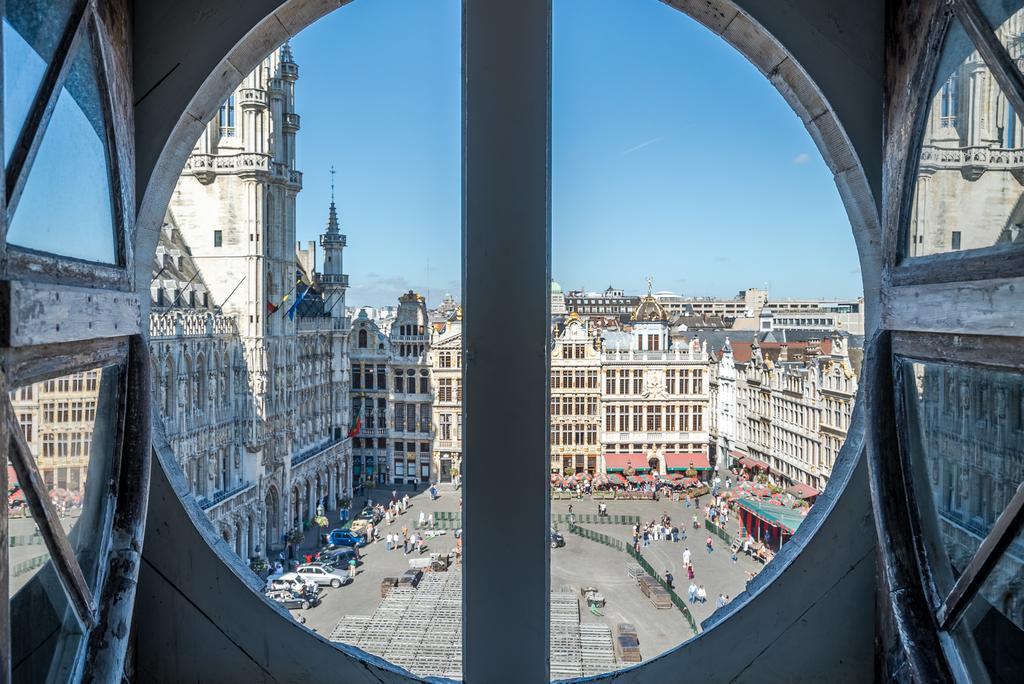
<point>991,632</point>
<point>69,424</point>
<point>966,436</point>
<point>66,206</point>
<point>31,33</point>
<point>968,191</point>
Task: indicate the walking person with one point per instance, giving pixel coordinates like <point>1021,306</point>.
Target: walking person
<point>686,556</point>
<point>669,580</point>
<point>690,574</point>
<point>710,544</point>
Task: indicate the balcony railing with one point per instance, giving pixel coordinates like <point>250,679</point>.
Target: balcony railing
<point>321,324</point>
<point>315,451</point>
<point>207,503</point>
<point>338,279</point>
<point>189,323</point>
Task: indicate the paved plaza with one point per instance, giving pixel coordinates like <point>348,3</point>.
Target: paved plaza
<point>580,563</point>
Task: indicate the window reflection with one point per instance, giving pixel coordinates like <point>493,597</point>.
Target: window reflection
<point>968,190</point>
<point>967,430</point>
<point>68,424</point>
<point>31,33</point>
<point>66,206</point>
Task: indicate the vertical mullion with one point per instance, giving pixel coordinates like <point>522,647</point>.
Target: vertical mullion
<point>506,251</point>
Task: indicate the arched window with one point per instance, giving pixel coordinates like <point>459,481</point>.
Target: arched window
<point>362,339</point>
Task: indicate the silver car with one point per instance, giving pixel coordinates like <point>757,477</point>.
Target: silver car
<point>323,575</point>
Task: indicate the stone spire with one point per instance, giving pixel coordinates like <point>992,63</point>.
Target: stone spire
<point>332,215</point>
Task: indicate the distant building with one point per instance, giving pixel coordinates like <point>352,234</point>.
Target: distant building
<point>611,302</point>
<point>446,368</point>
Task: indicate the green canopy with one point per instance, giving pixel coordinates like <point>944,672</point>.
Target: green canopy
<point>783,516</point>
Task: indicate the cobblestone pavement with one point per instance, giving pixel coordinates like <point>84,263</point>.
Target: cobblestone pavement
<point>580,563</point>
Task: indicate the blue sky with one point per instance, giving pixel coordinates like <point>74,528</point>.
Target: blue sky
<point>672,156</point>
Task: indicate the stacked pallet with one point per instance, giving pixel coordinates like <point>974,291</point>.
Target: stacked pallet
<point>627,644</point>
<point>596,649</point>
<point>420,630</point>
<point>565,655</point>
<point>660,597</point>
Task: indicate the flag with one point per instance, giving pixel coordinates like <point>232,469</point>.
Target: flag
<point>295,304</point>
<point>271,307</point>
<point>357,422</point>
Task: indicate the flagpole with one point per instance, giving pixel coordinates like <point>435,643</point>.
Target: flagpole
<point>183,289</point>
<point>233,291</point>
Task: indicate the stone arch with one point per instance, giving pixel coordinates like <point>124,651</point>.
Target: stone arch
<point>295,517</point>
<point>272,516</point>
<point>169,385</point>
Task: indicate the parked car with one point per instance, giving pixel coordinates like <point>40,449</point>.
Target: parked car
<point>370,515</point>
<point>292,582</point>
<point>338,556</point>
<point>293,601</point>
<point>323,575</point>
<point>556,539</point>
<point>345,538</point>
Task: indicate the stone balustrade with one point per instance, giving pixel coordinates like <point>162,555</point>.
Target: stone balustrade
<point>321,324</point>
<point>973,160</point>
<point>189,323</point>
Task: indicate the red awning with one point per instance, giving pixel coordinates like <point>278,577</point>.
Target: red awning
<point>697,461</point>
<point>616,478</point>
<point>618,462</point>
<point>737,454</point>
<point>803,491</point>
<point>748,462</point>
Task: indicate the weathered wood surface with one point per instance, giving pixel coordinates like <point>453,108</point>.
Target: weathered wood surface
<point>974,350</point>
<point>907,641</point>
<point>26,365</point>
<point>987,307</point>
<point>37,313</point>
<point>108,642</point>
<point>998,261</point>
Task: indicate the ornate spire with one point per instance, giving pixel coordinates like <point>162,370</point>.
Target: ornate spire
<point>332,216</point>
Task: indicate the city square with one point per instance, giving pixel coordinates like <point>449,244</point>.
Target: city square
<point>580,563</point>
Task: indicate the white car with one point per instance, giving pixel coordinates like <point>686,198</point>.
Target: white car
<point>322,575</point>
<point>292,582</point>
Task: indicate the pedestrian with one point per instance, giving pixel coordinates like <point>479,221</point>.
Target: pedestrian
<point>686,556</point>
<point>675,534</point>
<point>352,569</point>
<point>710,544</point>
<point>690,574</point>
<point>423,518</point>
<point>430,520</point>
<point>669,579</point>
<point>570,509</point>
<point>687,500</point>
<point>405,544</point>
<point>387,541</point>
<point>691,592</point>
<point>702,595</point>
<point>720,602</point>
<point>695,525</point>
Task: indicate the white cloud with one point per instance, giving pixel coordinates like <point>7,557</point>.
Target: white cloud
<point>641,146</point>
<point>802,158</point>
